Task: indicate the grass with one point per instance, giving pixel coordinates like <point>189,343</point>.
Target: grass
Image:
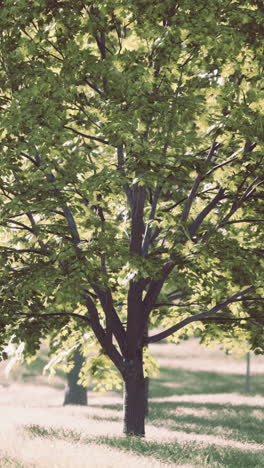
<point>191,382</point>
<point>200,416</point>
<point>9,462</point>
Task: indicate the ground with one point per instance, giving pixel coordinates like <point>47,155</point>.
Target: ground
<point>200,416</point>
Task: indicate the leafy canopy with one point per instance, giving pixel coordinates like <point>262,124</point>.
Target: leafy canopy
<point>131,171</point>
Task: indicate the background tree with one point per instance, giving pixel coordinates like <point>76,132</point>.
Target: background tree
<point>75,394</point>
<point>131,166</point>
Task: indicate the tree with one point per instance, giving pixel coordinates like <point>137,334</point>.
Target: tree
<point>131,175</point>
<point>75,393</point>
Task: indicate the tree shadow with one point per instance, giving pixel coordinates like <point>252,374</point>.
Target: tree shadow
<point>211,455</point>
<point>223,420</point>
<point>241,422</point>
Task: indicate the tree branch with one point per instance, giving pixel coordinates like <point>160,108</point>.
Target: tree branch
<point>237,203</point>
<point>196,184</point>
<point>228,161</point>
<point>230,319</point>
<point>147,235</point>
<point>100,334</point>
<point>107,303</point>
<point>56,314</point>
<point>93,87</point>
<point>90,137</point>
<point>18,223</point>
<point>170,304</point>
<point>36,251</point>
<point>155,288</point>
<point>198,317</point>
<point>199,219</point>
<point>246,220</point>
<point>120,160</point>
<point>137,224</point>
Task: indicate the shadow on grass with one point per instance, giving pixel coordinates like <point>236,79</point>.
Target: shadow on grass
<point>236,422</point>
<point>227,421</point>
<point>211,456</point>
<point>240,422</point>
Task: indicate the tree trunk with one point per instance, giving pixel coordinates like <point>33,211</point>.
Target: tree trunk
<point>75,393</point>
<point>134,400</point>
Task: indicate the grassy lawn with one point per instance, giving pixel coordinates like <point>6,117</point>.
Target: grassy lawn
<point>200,416</point>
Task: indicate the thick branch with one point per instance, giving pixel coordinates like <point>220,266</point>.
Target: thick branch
<point>190,199</point>
<point>230,319</point>
<point>120,160</point>
<point>147,235</point>
<point>137,228</point>
<point>107,303</point>
<point>155,288</point>
<point>100,334</point>
<point>25,155</point>
<point>66,211</point>
<point>198,221</point>
<point>246,220</point>
<point>198,317</point>
<point>196,184</point>
<point>72,225</point>
<point>171,304</point>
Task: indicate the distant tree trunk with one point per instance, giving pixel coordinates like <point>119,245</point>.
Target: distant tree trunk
<point>75,393</point>
<point>134,398</point>
<point>248,373</point>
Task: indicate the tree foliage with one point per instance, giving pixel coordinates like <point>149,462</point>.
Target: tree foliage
<point>131,171</point>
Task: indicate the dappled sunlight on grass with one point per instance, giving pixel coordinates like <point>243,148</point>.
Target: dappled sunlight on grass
<point>197,419</point>
<point>67,451</point>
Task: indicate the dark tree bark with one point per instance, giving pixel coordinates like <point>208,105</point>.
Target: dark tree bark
<point>75,393</point>
<point>134,397</point>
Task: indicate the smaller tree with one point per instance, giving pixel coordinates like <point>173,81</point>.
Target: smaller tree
<point>75,394</point>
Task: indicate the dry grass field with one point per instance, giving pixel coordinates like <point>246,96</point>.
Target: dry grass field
<point>200,416</point>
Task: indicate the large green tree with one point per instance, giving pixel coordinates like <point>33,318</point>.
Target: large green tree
<point>131,174</point>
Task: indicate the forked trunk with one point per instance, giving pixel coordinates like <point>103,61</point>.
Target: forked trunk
<point>134,401</point>
<point>75,393</point>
